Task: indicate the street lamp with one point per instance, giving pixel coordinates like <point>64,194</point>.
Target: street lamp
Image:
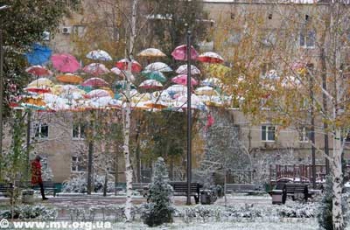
<point>189,121</point>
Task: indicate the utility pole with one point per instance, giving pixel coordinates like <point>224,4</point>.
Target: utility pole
<point>189,118</point>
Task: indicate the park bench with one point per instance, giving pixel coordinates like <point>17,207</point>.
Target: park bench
<point>294,190</point>
<point>6,188</point>
<point>243,188</point>
<point>49,186</point>
<point>180,189</point>
<point>142,188</point>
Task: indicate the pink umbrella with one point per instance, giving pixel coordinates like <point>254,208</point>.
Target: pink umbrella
<point>210,57</point>
<point>151,84</point>
<point>95,82</point>
<point>38,70</point>
<point>65,63</point>
<point>98,93</point>
<point>96,69</point>
<point>123,65</point>
<point>117,71</point>
<point>180,53</point>
<point>182,80</point>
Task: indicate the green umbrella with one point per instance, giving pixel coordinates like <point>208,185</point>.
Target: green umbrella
<point>121,85</point>
<point>155,75</point>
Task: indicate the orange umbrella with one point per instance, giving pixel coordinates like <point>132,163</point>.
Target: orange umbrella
<point>69,78</point>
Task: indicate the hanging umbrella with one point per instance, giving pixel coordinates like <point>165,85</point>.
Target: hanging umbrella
<point>38,70</point>
<point>117,71</point>
<point>96,69</point>
<point>210,57</point>
<point>151,52</point>
<point>206,90</point>
<point>155,75</point>
<point>98,93</point>
<point>41,82</point>
<point>176,89</point>
<point>99,55</point>
<point>38,55</point>
<point>150,84</point>
<point>123,65</point>
<point>196,102</point>
<point>182,80</point>
<point>212,82</point>
<point>183,70</point>
<point>180,53</point>
<point>95,82</point>
<point>121,85</point>
<point>69,78</point>
<point>65,63</point>
<point>158,66</point>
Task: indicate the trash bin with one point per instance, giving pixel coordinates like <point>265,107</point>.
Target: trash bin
<point>28,196</point>
<point>277,196</point>
<point>205,197</point>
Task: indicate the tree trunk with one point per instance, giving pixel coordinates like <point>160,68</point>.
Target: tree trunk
<point>128,168</point>
<point>337,212</point>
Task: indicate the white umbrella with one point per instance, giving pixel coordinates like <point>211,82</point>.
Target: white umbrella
<point>151,52</point>
<point>206,90</point>
<point>183,70</point>
<point>99,55</point>
<point>158,66</point>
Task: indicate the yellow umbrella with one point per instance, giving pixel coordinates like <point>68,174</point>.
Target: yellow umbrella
<point>41,82</point>
<point>69,78</point>
<point>207,91</point>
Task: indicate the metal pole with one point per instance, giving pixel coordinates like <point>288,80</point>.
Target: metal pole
<point>189,87</point>
<point>29,114</point>
<point>1,96</point>
<point>90,154</point>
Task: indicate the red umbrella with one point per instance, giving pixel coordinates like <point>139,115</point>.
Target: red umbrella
<point>96,69</point>
<point>38,70</point>
<point>210,57</point>
<point>123,65</point>
<point>65,63</point>
<point>182,80</point>
<point>180,53</point>
<point>95,82</point>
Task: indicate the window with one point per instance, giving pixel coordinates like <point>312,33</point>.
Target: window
<point>79,131</point>
<point>307,39</point>
<point>268,133</point>
<point>41,131</point>
<point>269,16</point>
<point>79,30</point>
<point>78,164</point>
<point>304,134</point>
<point>269,38</point>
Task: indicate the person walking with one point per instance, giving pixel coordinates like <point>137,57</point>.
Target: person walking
<point>36,175</point>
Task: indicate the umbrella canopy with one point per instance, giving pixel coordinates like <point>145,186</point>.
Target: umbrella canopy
<point>38,55</point>
<point>69,78</point>
<point>98,93</point>
<point>38,70</point>
<point>150,84</point>
<point>196,102</point>
<point>206,90</point>
<point>96,69</point>
<point>65,63</point>
<point>95,82</point>
<point>210,57</point>
<point>180,53</point>
<point>99,55</point>
<point>155,75</point>
<point>212,82</point>
<point>123,65</point>
<point>117,71</point>
<point>182,80</point>
<point>158,66</point>
<point>121,85</point>
<point>175,89</point>
<point>41,82</point>
<point>183,70</point>
<point>151,52</point>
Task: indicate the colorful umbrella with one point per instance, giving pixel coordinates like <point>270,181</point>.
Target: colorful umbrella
<point>196,102</point>
<point>158,66</point>
<point>38,70</point>
<point>99,55</point>
<point>96,69</point>
<point>117,71</point>
<point>180,53</point>
<point>121,85</point>
<point>155,75</point>
<point>95,82</point>
<point>38,55</point>
<point>69,78</point>
<point>41,82</point>
<point>176,89</point>
<point>65,63</point>
<point>182,80</point>
<point>151,52</point>
<point>123,65</point>
<point>150,84</point>
<point>206,90</point>
<point>183,70</point>
<point>210,57</point>
<point>98,93</point>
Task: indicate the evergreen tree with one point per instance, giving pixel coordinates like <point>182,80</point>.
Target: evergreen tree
<point>159,210</point>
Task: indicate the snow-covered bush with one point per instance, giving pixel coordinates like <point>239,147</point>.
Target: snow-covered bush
<point>31,212</point>
<point>78,184</point>
<point>159,210</point>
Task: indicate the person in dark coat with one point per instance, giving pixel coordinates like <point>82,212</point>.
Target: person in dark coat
<point>36,175</point>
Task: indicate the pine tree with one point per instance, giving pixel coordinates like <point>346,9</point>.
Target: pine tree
<point>159,210</point>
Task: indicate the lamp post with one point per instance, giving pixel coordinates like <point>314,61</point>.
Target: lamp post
<point>189,121</point>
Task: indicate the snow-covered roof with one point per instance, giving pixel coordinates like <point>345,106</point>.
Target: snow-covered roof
<point>263,1</point>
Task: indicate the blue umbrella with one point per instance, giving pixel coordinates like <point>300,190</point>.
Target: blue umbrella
<point>39,54</point>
